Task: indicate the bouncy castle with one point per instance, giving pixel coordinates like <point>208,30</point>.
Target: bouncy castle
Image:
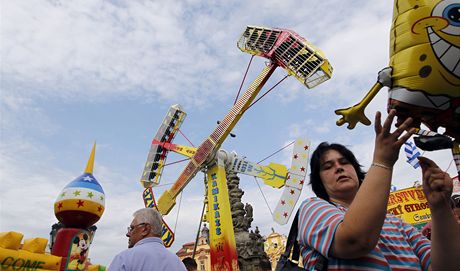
<point>78,207</point>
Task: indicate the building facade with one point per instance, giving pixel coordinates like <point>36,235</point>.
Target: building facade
<point>202,255</point>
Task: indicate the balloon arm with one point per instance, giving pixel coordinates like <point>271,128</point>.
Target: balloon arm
<point>353,115</point>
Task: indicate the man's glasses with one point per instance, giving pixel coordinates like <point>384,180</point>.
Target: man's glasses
<point>131,228</point>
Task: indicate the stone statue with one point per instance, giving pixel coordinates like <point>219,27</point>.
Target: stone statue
<point>249,244</point>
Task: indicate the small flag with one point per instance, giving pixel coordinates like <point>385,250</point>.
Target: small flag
<point>393,188</point>
<point>411,153</point>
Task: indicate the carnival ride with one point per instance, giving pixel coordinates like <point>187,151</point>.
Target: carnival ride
<point>284,48</point>
<point>423,76</point>
<point>274,175</point>
<point>78,207</point>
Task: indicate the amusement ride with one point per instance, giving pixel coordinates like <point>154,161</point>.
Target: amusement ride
<point>283,48</point>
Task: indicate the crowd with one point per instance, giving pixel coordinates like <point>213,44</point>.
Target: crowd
<point>347,222</point>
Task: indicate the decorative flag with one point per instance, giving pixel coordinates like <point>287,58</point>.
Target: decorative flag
<point>411,153</point>
<point>393,188</point>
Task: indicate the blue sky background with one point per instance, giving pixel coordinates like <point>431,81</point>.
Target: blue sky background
<point>75,72</point>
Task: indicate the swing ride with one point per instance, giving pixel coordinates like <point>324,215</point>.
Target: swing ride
<point>285,49</point>
<point>82,202</point>
<point>274,175</point>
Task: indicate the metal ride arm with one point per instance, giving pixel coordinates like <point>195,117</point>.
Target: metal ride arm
<point>273,174</point>
<point>210,145</point>
<point>177,148</point>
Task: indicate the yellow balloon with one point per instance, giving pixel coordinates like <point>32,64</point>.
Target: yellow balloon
<point>425,62</point>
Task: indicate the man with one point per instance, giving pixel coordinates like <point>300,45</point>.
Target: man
<point>145,247</point>
<point>456,206</point>
<point>190,264</point>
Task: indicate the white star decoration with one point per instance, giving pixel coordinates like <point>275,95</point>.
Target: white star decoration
<point>87,179</point>
<point>294,183</point>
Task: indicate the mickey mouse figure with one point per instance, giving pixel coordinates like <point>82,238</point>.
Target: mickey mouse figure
<point>79,252</point>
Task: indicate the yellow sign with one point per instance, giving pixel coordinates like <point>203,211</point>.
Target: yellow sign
<point>222,237</point>
<point>410,205</point>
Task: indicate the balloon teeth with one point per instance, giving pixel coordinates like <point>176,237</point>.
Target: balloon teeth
<point>447,53</point>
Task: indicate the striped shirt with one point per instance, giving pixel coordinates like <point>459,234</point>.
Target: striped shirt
<point>400,247</point>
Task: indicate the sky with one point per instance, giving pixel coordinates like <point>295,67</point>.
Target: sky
<point>78,72</point>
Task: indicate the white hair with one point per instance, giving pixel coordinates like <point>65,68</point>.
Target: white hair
<point>152,217</point>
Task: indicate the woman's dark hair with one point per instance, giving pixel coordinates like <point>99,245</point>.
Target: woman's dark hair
<point>315,166</point>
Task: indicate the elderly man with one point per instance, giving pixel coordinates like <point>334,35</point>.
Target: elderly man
<point>145,247</point>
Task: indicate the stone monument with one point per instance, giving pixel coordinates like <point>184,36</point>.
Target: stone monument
<point>249,243</point>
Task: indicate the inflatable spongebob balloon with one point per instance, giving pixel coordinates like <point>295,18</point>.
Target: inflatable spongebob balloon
<point>424,73</point>
<point>81,203</point>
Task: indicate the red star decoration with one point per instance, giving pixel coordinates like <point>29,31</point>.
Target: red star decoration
<point>99,209</point>
<point>80,203</point>
<point>302,169</point>
<point>305,147</point>
<point>292,191</point>
<point>285,214</point>
<point>283,202</point>
<point>301,182</point>
<point>295,156</point>
<point>59,205</point>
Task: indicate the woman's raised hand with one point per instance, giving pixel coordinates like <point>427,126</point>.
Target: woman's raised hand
<point>387,143</point>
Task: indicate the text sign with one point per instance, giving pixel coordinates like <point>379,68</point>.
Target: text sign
<point>410,205</point>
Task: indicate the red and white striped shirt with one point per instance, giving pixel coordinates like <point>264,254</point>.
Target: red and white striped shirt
<point>400,247</point>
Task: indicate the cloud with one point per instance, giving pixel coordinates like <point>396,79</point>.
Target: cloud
<point>90,43</point>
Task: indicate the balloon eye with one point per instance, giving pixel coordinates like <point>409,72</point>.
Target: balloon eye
<point>450,11</point>
<point>452,14</point>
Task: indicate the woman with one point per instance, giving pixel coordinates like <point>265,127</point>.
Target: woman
<point>348,222</point>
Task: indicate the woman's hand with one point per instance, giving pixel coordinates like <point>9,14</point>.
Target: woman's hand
<point>387,144</point>
<point>437,184</point>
